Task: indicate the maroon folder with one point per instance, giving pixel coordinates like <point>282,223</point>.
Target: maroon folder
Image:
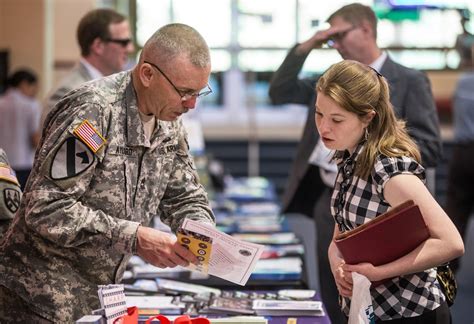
<point>387,237</point>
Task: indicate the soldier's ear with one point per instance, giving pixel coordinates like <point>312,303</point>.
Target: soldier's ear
<point>145,73</point>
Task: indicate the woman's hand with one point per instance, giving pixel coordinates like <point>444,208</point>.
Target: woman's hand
<point>366,269</point>
<point>343,279</point>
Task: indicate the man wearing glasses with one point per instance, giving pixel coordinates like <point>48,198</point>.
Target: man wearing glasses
<point>353,33</point>
<point>113,156</point>
<point>105,41</point>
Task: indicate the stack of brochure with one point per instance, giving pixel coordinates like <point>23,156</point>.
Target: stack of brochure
<point>239,320</point>
<point>286,268</point>
<point>228,306</point>
<point>147,271</point>
<point>183,288</point>
<point>265,307</point>
<point>153,305</point>
<point>268,238</point>
<point>112,301</point>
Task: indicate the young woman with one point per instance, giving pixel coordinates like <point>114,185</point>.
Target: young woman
<point>379,167</point>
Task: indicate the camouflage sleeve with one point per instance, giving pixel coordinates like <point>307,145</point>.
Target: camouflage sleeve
<point>10,192</point>
<point>55,205</point>
<point>184,197</point>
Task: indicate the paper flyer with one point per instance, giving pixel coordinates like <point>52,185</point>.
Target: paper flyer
<point>200,245</point>
<point>230,259</point>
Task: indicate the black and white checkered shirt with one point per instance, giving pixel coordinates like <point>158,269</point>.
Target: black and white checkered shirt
<point>405,296</point>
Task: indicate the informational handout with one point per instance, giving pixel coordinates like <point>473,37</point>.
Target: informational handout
<point>231,259</point>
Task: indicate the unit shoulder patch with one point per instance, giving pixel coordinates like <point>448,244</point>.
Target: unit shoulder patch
<point>11,198</point>
<point>72,158</point>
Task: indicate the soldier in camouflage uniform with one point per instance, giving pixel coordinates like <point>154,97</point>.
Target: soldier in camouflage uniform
<point>114,154</point>
<point>10,193</point>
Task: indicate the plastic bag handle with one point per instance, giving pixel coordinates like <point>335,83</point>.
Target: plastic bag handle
<point>161,318</point>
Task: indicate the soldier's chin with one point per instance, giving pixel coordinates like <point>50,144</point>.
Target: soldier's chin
<point>169,118</point>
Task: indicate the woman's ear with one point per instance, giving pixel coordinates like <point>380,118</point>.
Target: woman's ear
<point>371,115</point>
<point>368,117</point>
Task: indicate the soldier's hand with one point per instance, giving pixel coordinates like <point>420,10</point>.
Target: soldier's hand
<point>161,249</point>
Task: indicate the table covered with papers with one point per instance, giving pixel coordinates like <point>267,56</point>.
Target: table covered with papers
<point>272,290</point>
<point>172,299</point>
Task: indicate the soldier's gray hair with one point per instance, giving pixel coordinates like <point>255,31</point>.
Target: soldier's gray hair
<point>173,40</point>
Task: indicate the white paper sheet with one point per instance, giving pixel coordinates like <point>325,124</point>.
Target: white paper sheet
<point>231,259</point>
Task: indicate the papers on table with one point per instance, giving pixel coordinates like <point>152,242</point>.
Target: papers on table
<point>231,259</point>
<point>150,271</point>
<point>224,306</point>
<point>268,238</point>
<point>239,320</point>
<point>278,251</point>
<point>170,286</point>
<point>112,300</point>
<point>156,304</point>
<point>286,268</point>
<point>265,307</point>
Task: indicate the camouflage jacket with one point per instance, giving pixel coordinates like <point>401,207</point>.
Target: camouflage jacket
<point>10,193</point>
<point>90,188</point>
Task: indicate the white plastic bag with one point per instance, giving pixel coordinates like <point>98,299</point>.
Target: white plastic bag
<point>361,311</point>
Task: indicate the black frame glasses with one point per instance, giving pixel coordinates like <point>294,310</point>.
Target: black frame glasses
<point>347,169</point>
<point>121,41</point>
<point>338,37</point>
<point>185,95</point>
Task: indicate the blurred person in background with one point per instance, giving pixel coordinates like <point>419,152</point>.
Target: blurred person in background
<point>353,33</point>
<point>20,113</point>
<point>105,40</point>
<point>460,195</point>
<point>465,41</point>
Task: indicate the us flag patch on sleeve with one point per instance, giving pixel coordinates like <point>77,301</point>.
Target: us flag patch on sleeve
<point>7,174</point>
<point>88,134</point>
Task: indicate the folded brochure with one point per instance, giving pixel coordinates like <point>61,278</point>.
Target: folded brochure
<point>220,254</point>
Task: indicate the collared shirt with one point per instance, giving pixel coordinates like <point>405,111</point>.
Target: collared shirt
<point>404,296</point>
<point>378,63</point>
<point>19,121</point>
<point>93,72</point>
<point>89,190</point>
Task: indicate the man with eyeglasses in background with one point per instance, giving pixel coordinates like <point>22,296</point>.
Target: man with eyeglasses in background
<point>353,33</point>
<point>105,41</point>
<point>114,154</point>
